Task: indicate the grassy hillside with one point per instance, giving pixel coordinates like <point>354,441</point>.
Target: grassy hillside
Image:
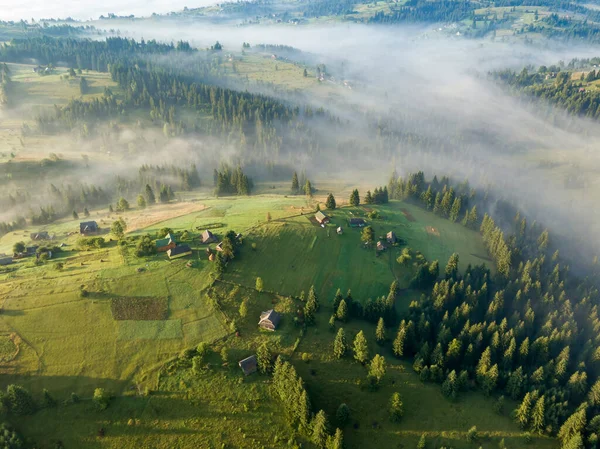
<point>126,334</point>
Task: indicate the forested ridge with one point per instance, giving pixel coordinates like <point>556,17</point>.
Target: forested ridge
<point>529,331</point>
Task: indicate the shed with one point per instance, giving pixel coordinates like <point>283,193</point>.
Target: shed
<point>269,320</point>
<point>166,243</point>
<point>219,247</point>
<point>179,251</point>
<point>248,365</point>
<point>42,235</point>
<point>339,230</point>
<point>88,228</point>
<point>391,237</point>
<point>357,223</point>
<point>6,260</point>
<point>321,218</point>
<point>380,246</point>
<point>208,237</point>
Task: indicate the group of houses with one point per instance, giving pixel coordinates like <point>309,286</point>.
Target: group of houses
<point>169,245</point>
<point>268,321</point>
<point>390,239</point>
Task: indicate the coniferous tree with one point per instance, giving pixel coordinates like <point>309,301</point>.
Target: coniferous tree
<point>342,414</point>
<point>354,198</point>
<point>339,344</point>
<point>337,299</point>
<point>537,415</point>
<point>330,203</point>
<point>342,311</point>
<point>377,367</point>
<point>361,350</point>
<point>396,407</point>
<point>264,359</point>
<point>308,189</point>
<point>295,184</point>
<point>380,331</point>
<point>399,341</point>
<point>320,429</point>
<point>523,412</point>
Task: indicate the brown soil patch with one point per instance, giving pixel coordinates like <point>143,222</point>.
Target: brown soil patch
<point>160,212</point>
<point>408,215</point>
<point>432,231</point>
<point>139,308</point>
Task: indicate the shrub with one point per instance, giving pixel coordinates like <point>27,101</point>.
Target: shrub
<point>19,401</point>
<point>101,399</point>
<point>472,434</point>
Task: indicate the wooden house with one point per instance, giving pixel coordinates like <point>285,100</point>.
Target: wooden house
<point>42,235</point>
<point>357,223</point>
<point>248,365</point>
<point>269,320</point>
<point>391,237</point>
<point>380,246</point>
<point>321,218</point>
<point>88,228</point>
<point>166,243</point>
<point>179,251</point>
<point>6,260</point>
<point>208,237</point>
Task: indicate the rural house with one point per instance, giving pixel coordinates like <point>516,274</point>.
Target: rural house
<point>31,250</point>
<point>248,365</point>
<point>391,237</point>
<point>380,246</point>
<point>208,237</point>
<point>219,247</point>
<point>88,228</point>
<point>179,251</point>
<point>269,320</point>
<point>166,243</point>
<point>357,223</point>
<point>42,235</point>
<point>321,218</point>
<point>5,260</point>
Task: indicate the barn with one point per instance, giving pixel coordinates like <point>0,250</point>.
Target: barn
<point>321,218</point>
<point>166,243</point>
<point>179,251</point>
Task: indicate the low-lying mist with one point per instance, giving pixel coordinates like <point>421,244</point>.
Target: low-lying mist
<point>432,88</point>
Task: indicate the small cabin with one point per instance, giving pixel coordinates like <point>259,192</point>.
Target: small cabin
<point>269,320</point>
<point>179,251</point>
<point>88,228</point>
<point>357,223</point>
<point>6,260</point>
<point>321,218</point>
<point>380,246</point>
<point>248,365</point>
<point>42,235</point>
<point>208,237</point>
<point>391,237</point>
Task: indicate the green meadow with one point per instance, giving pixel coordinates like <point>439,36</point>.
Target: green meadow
<point>139,314</point>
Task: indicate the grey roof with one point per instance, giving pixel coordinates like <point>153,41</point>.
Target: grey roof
<point>208,237</point>
<point>357,220</point>
<point>179,250</point>
<point>270,315</point>
<point>88,226</point>
<point>248,364</point>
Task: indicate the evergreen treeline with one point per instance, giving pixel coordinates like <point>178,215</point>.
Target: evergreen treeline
<point>425,11</point>
<point>231,182</point>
